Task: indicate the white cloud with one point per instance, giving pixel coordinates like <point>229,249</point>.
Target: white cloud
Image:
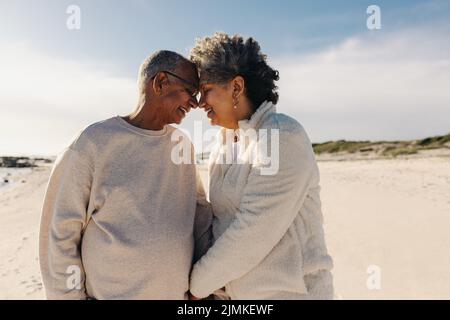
<point>44,101</point>
<point>379,85</point>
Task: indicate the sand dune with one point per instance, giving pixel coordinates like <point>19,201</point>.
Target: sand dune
<point>391,214</point>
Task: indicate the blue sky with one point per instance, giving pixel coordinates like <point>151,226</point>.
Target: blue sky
<point>339,79</point>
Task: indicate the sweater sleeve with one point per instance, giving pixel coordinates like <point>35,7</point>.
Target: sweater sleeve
<point>268,207</point>
<point>203,222</point>
<point>63,219</point>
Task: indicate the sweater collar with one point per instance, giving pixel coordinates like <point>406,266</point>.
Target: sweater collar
<point>264,110</point>
<point>255,121</point>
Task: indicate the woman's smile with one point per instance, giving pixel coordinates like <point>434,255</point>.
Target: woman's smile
<point>209,112</point>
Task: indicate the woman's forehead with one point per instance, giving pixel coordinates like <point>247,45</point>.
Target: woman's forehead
<point>208,81</point>
<point>205,77</point>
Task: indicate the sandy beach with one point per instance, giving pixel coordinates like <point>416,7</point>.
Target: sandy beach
<point>392,215</point>
<point>20,204</point>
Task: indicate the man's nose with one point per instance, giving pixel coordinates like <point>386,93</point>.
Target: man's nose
<point>193,102</point>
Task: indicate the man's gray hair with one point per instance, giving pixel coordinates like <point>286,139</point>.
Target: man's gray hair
<point>162,60</point>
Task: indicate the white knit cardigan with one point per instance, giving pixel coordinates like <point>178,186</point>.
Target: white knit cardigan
<point>267,228</point>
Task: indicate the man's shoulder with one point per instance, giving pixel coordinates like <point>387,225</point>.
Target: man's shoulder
<point>91,134</point>
<point>100,127</point>
<point>177,133</point>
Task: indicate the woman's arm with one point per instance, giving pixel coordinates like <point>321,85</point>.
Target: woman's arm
<point>203,222</point>
<point>269,205</point>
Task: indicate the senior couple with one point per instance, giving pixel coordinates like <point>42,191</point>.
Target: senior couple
<point>122,220</point>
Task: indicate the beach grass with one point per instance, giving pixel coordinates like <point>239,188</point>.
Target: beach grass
<point>384,148</point>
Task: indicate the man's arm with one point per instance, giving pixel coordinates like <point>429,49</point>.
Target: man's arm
<point>64,216</point>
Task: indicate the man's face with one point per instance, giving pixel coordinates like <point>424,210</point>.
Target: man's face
<point>179,95</point>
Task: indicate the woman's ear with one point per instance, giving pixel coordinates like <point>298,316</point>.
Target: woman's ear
<point>158,82</point>
<point>238,86</point>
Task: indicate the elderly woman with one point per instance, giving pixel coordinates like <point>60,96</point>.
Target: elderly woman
<point>268,239</point>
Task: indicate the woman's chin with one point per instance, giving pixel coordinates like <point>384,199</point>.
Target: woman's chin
<point>213,121</point>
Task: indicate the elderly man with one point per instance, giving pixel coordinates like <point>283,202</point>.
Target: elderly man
<point>120,218</point>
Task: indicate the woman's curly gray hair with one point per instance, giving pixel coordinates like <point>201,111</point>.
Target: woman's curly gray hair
<point>220,58</point>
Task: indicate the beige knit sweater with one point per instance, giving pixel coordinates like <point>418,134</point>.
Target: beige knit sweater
<point>119,213</point>
<point>269,239</point>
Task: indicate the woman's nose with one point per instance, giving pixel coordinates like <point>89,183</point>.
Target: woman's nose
<point>202,102</point>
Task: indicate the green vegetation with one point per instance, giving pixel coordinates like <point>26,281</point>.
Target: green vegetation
<point>392,151</point>
<point>385,148</point>
<point>340,146</point>
<point>344,146</point>
<point>22,162</point>
<point>434,142</point>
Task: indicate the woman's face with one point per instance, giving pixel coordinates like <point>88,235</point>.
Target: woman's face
<point>217,101</point>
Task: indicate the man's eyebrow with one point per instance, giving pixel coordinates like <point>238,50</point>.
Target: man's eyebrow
<point>190,83</point>
<point>194,87</point>
<point>193,90</point>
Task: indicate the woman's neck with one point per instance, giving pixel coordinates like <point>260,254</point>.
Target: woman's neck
<point>244,111</point>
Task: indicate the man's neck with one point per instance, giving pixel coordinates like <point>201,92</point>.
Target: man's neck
<point>144,119</point>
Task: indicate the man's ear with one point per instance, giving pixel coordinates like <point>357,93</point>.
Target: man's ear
<point>159,81</point>
<point>238,86</point>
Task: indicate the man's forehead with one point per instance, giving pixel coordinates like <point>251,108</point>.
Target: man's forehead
<point>189,76</point>
<point>189,70</point>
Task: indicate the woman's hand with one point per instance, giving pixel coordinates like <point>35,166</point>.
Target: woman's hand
<point>192,297</point>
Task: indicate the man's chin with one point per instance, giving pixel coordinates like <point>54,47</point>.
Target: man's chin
<point>179,120</point>
<point>176,121</point>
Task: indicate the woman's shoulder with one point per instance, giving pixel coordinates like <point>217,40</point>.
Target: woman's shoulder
<point>286,125</point>
<point>292,137</point>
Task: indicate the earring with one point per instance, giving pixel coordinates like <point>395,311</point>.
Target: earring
<point>235,103</point>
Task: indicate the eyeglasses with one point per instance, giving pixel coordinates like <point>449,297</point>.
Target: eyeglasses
<point>192,88</point>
